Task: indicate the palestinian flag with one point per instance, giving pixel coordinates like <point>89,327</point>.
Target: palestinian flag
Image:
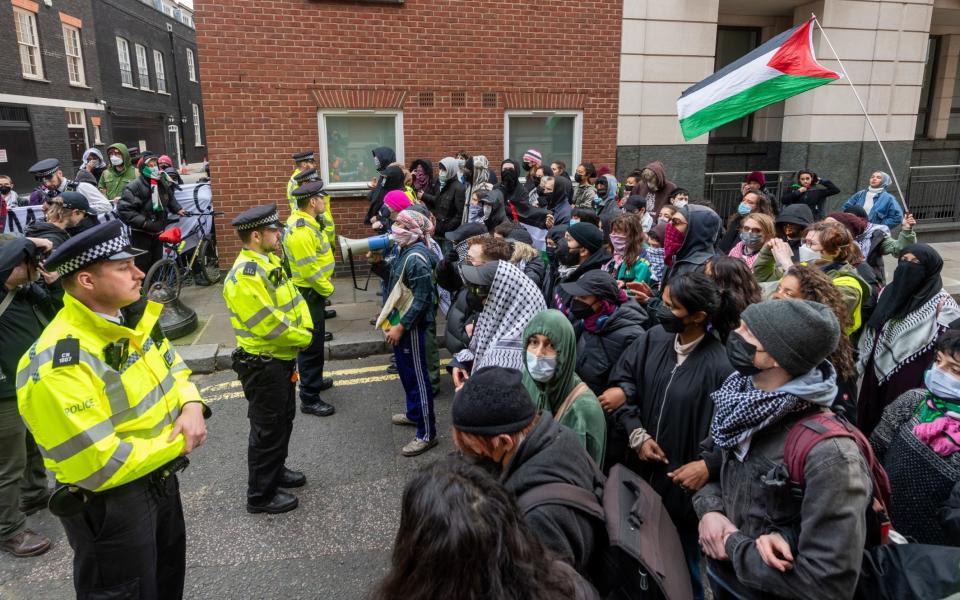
<point>783,67</point>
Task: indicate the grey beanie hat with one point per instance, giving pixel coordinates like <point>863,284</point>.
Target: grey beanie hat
<point>798,334</point>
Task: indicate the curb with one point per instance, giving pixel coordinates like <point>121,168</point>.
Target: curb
<point>208,358</point>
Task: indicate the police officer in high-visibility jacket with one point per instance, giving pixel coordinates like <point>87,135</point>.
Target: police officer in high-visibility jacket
<point>109,403</point>
<point>311,265</point>
<point>271,322</point>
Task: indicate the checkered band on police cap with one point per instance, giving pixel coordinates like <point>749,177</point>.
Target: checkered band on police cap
<point>270,219</point>
<point>91,255</point>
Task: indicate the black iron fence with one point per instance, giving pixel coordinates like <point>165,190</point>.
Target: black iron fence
<point>723,190</point>
<point>933,193</point>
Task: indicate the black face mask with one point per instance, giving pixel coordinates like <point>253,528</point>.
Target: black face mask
<point>536,180</point>
<point>566,256</point>
<point>671,323</point>
<point>740,352</point>
<point>475,302</point>
<point>628,188</point>
<point>467,175</point>
<point>580,309</point>
<point>5,189</point>
<point>527,166</point>
<point>578,178</point>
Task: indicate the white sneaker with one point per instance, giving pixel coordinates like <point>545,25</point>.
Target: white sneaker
<point>418,446</point>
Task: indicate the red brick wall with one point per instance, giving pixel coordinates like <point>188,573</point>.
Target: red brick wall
<point>268,66</point>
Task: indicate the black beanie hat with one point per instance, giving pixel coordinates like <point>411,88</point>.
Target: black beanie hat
<point>587,235</point>
<point>798,334</point>
<point>493,402</point>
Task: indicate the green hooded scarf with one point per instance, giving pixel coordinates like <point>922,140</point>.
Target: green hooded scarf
<point>112,181</point>
<point>585,416</point>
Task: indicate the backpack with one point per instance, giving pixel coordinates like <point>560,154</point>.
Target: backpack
<point>810,431</point>
<point>641,540</point>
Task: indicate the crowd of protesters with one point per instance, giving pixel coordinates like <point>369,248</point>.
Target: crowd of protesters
<point>597,325</point>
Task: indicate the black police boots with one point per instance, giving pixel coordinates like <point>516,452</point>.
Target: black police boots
<point>292,479</point>
<point>318,408</point>
<point>280,503</point>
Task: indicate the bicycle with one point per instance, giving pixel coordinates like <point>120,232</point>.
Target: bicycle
<point>165,277</point>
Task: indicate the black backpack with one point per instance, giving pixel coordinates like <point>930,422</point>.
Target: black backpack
<point>642,556</point>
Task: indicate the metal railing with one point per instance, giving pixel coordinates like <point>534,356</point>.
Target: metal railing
<point>723,189</point>
<point>933,193</point>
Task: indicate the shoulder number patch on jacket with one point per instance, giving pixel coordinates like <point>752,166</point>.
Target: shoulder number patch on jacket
<point>250,268</point>
<point>66,352</point>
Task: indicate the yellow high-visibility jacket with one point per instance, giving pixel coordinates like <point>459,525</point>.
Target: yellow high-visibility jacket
<point>267,312</point>
<point>309,253</point>
<point>103,418</point>
<point>329,227</point>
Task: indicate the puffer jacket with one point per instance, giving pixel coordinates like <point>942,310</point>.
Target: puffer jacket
<point>598,353</point>
<point>135,208</point>
<point>446,203</point>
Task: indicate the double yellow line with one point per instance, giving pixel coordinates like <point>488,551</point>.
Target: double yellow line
<point>230,390</point>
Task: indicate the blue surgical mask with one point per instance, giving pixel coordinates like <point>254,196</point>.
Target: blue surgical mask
<point>744,209</point>
<point>750,239</point>
<point>940,383</point>
<point>541,368</point>
<point>475,214</point>
<point>574,221</point>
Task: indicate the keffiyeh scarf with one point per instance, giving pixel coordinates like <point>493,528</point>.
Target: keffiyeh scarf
<point>742,409</point>
<point>498,336</point>
<point>415,222</point>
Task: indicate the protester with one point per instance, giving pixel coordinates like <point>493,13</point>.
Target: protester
<point>478,178</point>
<point>666,213</point>
<point>607,207</point>
<point>584,193</point>
<point>460,315</point>
<point>421,173</point>
<point>755,230</point>
<point>8,198</point>
<point>581,250</point>
<point>496,424</point>
<point>629,263</point>
<point>532,163</point>
<point>810,190</point>
<point>805,282</point>
<point>120,172</point>
<point>752,202</point>
<point>918,442</point>
<point>679,198</point>
<point>881,206</point>
<point>53,183</point>
<point>654,253</point>
<point>875,240</point>
<point>447,201</point>
<point>383,157</point>
<point>897,342</point>
<point>756,181</point>
<point>92,167</point>
<point>144,206</point>
<point>525,256</point>
<point>514,195</point>
<point>486,206</point>
<point>165,164</point>
<point>66,215</point>
<point>584,215</point>
<point>506,300</point>
<point>763,537</point>
<point>550,378</point>
<point>689,240</point>
<point>391,181</point>
<point>557,196</point>
<point>791,224</point>
<point>735,278</point>
<point>654,188</point>
<point>659,397</point>
<point>461,535</point>
<point>607,321</point>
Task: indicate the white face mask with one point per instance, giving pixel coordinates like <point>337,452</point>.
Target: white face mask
<point>541,368</point>
<point>116,160</point>
<point>808,255</point>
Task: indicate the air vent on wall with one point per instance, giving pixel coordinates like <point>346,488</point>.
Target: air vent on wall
<point>425,99</point>
<point>489,100</point>
<point>458,99</point>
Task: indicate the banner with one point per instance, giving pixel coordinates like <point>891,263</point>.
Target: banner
<point>193,197</point>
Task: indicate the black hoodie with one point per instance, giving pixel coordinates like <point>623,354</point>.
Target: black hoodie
<point>795,214</point>
<point>383,157</point>
<point>551,453</point>
<point>392,180</point>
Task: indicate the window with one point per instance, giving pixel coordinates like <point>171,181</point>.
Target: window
<point>347,138</point>
<point>74,118</point>
<point>29,43</point>
<point>191,66</point>
<point>71,47</point>
<point>123,54</point>
<point>558,135</point>
<point>143,71</point>
<point>161,73</point>
<point>97,140</point>
<point>196,126</point>
<point>732,43</point>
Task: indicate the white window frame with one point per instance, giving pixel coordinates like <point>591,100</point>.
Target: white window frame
<point>82,118</point>
<point>191,66</point>
<point>97,136</point>
<point>577,131</point>
<point>26,47</point>
<point>160,68</point>
<point>322,129</point>
<point>143,67</point>
<point>71,37</point>
<point>123,58</point>
<point>197,141</point>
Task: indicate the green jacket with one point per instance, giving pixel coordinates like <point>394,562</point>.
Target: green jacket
<point>112,181</point>
<point>585,417</point>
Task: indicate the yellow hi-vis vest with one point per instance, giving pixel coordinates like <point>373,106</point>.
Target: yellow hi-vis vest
<point>309,253</point>
<point>267,312</point>
<point>329,227</point>
<point>101,425</point>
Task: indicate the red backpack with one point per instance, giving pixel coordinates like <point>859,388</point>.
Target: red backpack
<point>810,431</point>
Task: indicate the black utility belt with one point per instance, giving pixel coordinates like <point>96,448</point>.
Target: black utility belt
<point>68,500</point>
<point>258,360</point>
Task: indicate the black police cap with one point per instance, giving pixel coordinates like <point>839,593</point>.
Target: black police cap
<point>258,216</point>
<point>308,175</point>
<point>106,241</point>
<point>305,155</point>
<point>308,190</point>
<point>45,168</point>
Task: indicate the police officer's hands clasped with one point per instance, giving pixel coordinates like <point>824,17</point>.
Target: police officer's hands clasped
<point>192,425</point>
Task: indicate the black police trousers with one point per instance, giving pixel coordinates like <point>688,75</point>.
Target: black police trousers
<point>271,407</point>
<point>310,361</point>
<point>130,542</point>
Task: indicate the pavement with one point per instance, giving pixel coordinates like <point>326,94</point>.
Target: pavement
<point>336,545</point>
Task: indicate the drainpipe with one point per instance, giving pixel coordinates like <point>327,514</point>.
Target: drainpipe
<point>176,82</point>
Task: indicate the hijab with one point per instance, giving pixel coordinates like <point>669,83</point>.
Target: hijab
<point>549,395</point>
<point>913,285</point>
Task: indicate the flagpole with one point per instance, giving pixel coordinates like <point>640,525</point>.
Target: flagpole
<point>863,107</point>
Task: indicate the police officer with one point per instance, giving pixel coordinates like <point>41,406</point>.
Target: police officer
<point>306,171</point>
<point>311,266</point>
<point>304,161</point>
<point>272,324</point>
<point>52,183</point>
<point>113,412</point>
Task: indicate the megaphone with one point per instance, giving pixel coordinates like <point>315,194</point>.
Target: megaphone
<point>350,247</point>
<point>361,246</point>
